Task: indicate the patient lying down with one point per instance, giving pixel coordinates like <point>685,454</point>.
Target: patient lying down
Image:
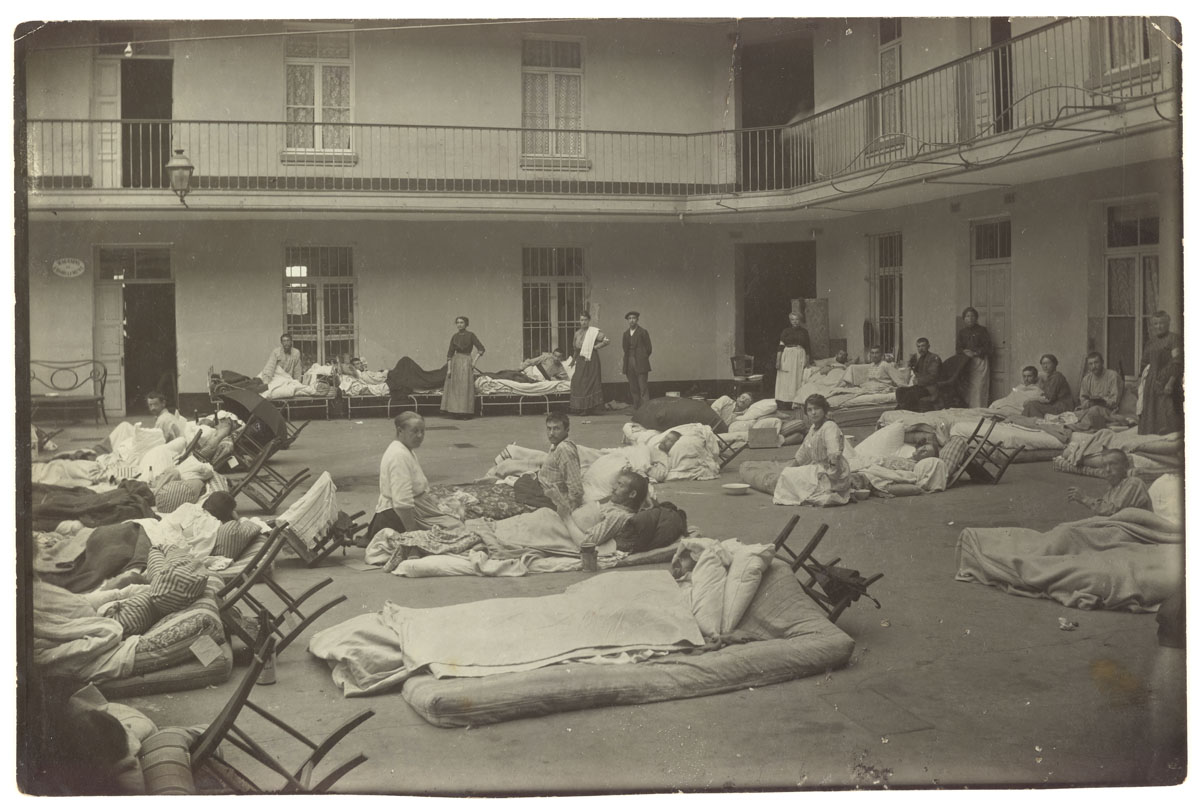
<point>544,540</point>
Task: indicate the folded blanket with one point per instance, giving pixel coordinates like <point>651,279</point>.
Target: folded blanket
<point>311,516</point>
<point>1128,561</point>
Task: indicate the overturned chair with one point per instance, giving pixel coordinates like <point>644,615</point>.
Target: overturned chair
<point>284,620</point>
<point>177,761</point>
<point>834,588</point>
<point>984,461</point>
<point>260,482</point>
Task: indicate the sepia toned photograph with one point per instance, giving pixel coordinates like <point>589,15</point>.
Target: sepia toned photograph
<point>599,405</point>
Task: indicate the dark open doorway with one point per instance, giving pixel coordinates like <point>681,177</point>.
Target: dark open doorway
<point>773,275</point>
<point>1002,78</point>
<point>149,343</point>
<point>776,87</point>
<point>146,99</point>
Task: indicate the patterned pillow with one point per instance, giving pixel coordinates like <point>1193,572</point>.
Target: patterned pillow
<point>233,537</point>
<point>136,614</point>
<point>954,453</point>
<point>171,495</point>
<point>179,585</point>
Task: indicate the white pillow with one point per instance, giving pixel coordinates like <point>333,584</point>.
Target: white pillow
<point>1166,497</point>
<point>758,409</point>
<point>885,442</point>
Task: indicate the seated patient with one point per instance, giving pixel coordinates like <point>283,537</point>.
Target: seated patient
<point>1123,490</point>
<point>1056,395</point>
<point>1028,390</point>
<point>876,375</point>
<point>1099,396</point>
<point>560,479</point>
<point>821,474</point>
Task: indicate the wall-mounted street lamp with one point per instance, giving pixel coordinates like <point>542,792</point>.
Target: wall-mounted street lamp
<point>180,169</point>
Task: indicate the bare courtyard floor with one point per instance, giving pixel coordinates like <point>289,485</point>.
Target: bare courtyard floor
<point>950,684</point>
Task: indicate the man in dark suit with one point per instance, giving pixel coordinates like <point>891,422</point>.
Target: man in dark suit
<point>636,364</point>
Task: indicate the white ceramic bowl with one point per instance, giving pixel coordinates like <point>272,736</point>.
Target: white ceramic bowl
<point>736,488</point>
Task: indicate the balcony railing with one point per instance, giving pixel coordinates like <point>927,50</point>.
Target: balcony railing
<point>1038,80</point>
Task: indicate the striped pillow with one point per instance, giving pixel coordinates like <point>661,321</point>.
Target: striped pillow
<point>136,614</point>
<point>954,453</point>
<point>178,585</point>
<point>233,537</point>
<point>170,496</point>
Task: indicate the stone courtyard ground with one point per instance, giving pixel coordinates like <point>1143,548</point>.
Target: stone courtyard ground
<point>951,684</point>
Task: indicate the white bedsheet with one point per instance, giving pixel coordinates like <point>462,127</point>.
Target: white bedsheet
<point>485,385</point>
<point>603,614</point>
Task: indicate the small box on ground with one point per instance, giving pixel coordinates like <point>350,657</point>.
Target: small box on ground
<point>763,437</point>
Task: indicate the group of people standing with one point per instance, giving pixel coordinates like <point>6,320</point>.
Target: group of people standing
<point>587,393</point>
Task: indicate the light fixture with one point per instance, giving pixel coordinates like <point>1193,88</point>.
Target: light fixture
<point>180,170</point>
<point>128,48</point>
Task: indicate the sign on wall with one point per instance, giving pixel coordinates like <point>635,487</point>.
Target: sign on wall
<point>68,267</point>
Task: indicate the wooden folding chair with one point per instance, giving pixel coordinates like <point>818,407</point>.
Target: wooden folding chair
<point>286,621</point>
<point>340,534</point>
<point>744,376</point>
<point>728,450</point>
<point>230,727</point>
<point>832,587</point>
<point>262,483</point>
<point>985,461</point>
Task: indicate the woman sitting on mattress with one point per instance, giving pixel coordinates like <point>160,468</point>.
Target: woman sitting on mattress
<point>1056,392</point>
<point>821,475</point>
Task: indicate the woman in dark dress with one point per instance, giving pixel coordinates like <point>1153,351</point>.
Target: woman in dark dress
<point>794,354</point>
<point>973,342</point>
<point>458,393</point>
<point>1056,392</point>
<point>586,391</point>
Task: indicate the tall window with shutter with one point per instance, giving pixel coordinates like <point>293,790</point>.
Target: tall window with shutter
<point>552,98</point>
<point>886,112</point>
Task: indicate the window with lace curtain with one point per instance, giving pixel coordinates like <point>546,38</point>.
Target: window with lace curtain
<point>319,90</point>
<point>552,98</point>
<point>885,112</point>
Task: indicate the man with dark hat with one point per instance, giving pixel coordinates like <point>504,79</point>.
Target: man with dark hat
<point>636,363</point>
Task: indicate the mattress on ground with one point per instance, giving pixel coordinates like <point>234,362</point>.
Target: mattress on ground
<point>183,650</point>
<point>793,639</point>
<point>860,415</point>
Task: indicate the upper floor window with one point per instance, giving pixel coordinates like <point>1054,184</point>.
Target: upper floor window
<point>1124,50</point>
<point>319,89</point>
<point>134,263</point>
<point>552,97</point>
<point>886,111</point>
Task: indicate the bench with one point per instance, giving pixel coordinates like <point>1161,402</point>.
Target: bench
<point>65,385</point>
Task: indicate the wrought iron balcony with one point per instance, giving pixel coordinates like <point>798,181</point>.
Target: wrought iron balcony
<point>1041,80</point>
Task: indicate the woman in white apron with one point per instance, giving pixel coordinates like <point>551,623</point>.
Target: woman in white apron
<point>790,361</point>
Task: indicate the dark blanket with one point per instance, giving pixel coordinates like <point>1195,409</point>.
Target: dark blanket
<point>109,551</point>
<point>53,504</point>
<point>407,376</point>
<point>652,528</point>
<point>662,414</point>
<point>232,380</point>
<point>943,394</point>
<point>515,376</point>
